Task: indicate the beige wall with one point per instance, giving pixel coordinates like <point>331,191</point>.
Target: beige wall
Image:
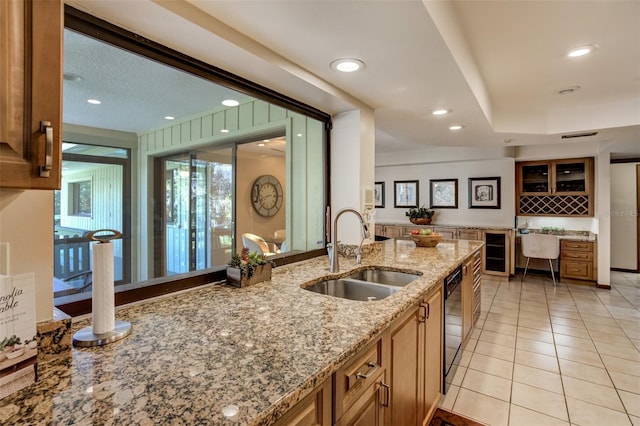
<point>26,224</point>
<point>249,167</point>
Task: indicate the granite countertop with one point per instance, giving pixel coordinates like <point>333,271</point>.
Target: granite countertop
<point>407,223</point>
<point>567,235</point>
<point>260,348</point>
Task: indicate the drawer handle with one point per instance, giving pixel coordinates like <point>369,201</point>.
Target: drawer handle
<point>387,392</point>
<point>575,270</point>
<point>423,317</point>
<point>45,127</point>
<point>372,367</point>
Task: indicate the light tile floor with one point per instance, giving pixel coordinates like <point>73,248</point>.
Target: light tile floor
<point>540,355</point>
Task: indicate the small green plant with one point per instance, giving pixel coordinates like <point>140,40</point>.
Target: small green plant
<point>9,342</point>
<point>420,213</point>
<point>247,262</point>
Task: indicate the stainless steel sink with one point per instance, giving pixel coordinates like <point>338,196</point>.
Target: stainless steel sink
<point>352,289</point>
<point>379,276</point>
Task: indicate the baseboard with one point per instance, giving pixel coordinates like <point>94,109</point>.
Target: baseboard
<point>633,271</point>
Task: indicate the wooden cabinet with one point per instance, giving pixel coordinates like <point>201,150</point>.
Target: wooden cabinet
<point>389,231</point>
<point>447,233</point>
<point>415,373</point>
<point>467,299</point>
<point>361,395</point>
<point>432,359</point>
<point>469,234</point>
<point>497,253</point>
<point>471,294</point>
<point>314,410</point>
<point>578,260</point>
<point>555,187</point>
<point>31,102</point>
<point>405,337</point>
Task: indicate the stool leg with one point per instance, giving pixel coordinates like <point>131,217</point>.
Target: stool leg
<point>552,274</point>
<point>525,269</point>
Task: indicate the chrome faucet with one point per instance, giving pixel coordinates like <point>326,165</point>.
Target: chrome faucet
<point>332,247</point>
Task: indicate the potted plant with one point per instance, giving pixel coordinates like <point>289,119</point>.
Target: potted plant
<point>248,268</point>
<point>420,215</point>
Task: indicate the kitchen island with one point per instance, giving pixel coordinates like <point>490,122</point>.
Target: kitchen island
<point>226,355</point>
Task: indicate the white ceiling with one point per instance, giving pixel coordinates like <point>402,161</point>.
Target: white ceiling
<point>496,64</point>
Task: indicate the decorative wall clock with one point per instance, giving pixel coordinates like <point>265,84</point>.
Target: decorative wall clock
<point>266,195</point>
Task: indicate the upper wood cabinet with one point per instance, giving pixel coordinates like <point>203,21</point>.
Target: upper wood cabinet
<point>31,97</point>
<point>555,187</point>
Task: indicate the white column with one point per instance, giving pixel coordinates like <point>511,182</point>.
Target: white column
<point>603,207</point>
<point>352,168</point>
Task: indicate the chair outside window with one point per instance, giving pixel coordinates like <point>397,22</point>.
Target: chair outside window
<point>540,246</point>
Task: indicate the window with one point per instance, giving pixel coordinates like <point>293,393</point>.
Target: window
<point>79,198</point>
<point>191,176</point>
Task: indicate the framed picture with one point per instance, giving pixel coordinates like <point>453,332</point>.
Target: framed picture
<point>484,193</point>
<point>444,193</point>
<point>378,194</point>
<point>406,193</point>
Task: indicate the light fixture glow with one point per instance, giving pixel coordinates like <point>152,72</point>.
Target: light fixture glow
<point>260,144</point>
<point>455,127</point>
<point>230,102</point>
<point>224,131</point>
<point>347,65</point>
<point>94,101</point>
<point>169,117</point>
<point>582,50</point>
<point>440,112</point>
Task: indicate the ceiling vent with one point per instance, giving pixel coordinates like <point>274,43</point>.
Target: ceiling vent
<point>579,135</point>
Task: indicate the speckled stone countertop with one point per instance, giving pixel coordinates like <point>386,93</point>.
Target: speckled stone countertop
<point>567,235</point>
<point>407,223</point>
<point>261,348</point>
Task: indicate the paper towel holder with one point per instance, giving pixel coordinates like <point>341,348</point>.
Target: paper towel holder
<point>85,337</point>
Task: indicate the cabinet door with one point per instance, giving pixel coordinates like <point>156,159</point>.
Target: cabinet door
<point>467,299</point>
<point>368,409</point>
<point>405,367</point>
<point>313,410</point>
<point>393,231</point>
<point>571,177</point>
<point>469,234</point>
<point>432,376</point>
<point>31,95</point>
<point>534,178</point>
<point>447,233</point>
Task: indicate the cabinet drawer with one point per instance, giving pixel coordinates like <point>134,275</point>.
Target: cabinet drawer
<point>578,270</point>
<point>354,378</point>
<point>576,245</point>
<point>586,256</point>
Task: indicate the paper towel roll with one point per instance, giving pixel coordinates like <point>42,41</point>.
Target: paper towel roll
<point>103,313</point>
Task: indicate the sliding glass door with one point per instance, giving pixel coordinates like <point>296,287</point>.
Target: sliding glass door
<point>196,218</point>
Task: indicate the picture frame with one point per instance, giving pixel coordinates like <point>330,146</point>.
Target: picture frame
<point>378,195</point>
<point>443,194</point>
<point>484,193</point>
<point>405,193</point>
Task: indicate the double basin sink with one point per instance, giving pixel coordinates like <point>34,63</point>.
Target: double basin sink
<point>365,285</point>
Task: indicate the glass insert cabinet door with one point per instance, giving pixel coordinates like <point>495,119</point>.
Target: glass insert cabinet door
<point>570,177</point>
<point>536,178</point>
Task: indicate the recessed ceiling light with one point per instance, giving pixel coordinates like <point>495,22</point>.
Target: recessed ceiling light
<point>169,117</point>
<point>224,131</point>
<point>582,50</point>
<point>265,140</point>
<point>260,144</point>
<point>440,112</point>
<point>299,135</point>
<point>568,90</point>
<point>347,65</point>
<point>94,101</point>
<point>230,102</point>
<point>455,127</point>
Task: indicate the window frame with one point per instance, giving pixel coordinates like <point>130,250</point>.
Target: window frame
<point>73,202</point>
<point>91,26</point>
